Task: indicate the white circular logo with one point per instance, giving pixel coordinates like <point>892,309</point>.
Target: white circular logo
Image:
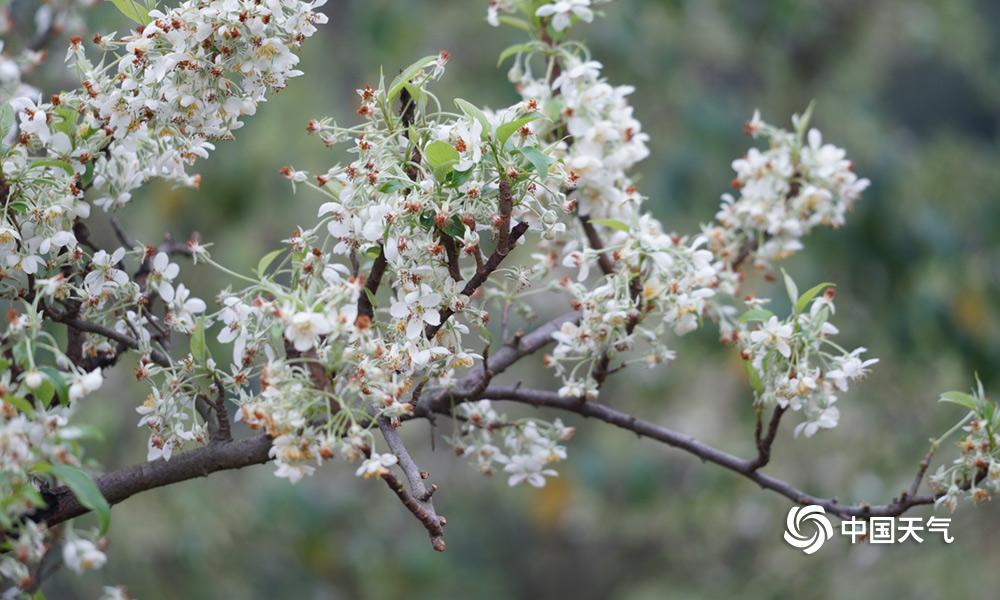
<point>807,517</point>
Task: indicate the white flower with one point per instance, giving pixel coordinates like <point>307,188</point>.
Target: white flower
<point>417,308</point>
<point>775,333</point>
<point>161,275</point>
<point>184,308</point>
<point>562,11</point>
<point>86,383</point>
<point>104,275</point>
<point>827,419</point>
<point>851,368</point>
<point>305,328</point>
<point>376,466</point>
<point>527,467</point>
<point>83,555</point>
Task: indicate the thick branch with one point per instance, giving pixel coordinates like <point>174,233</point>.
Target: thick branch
<point>124,483</point>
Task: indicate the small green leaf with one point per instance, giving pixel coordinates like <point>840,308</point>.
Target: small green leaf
<point>371,297</point>
<point>754,378</point>
<point>756,314</point>
<point>133,10</point>
<point>394,185</point>
<point>807,297</point>
<point>6,119</point>
<point>961,399</point>
<point>20,404</point>
<point>51,162</point>
<point>86,491</point>
<point>58,383</point>
<point>266,261</point>
<point>18,206</point>
<point>612,223</point>
<point>199,349</point>
<point>440,157</point>
<point>68,117</point>
<point>538,160</point>
<point>515,22</point>
<point>44,393</point>
<point>790,287</point>
<point>407,74</point>
<point>455,228</point>
<point>515,49</point>
<point>508,129</point>
<point>472,111</point>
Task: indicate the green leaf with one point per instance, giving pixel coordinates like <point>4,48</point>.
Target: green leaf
<point>58,382</point>
<point>472,111</point>
<point>455,228</point>
<point>6,119</point>
<point>394,185</point>
<point>515,49</point>
<point>754,378</point>
<point>961,399</point>
<point>44,393</point>
<point>406,75</point>
<point>538,160</point>
<point>371,297</point>
<point>806,298</point>
<point>133,10</point>
<point>18,206</point>
<point>266,261</point>
<point>86,491</point>
<point>199,349</point>
<point>440,157</point>
<point>612,223</point>
<point>68,116</point>
<point>508,129</point>
<point>51,162</point>
<point>790,287</point>
<point>20,404</point>
<point>756,314</point>
<point>515,22</point>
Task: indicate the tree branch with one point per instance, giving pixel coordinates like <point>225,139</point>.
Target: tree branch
<point>597,244</point>
<point>124,483</point>
<point>421,505</point>
<point>480,277</point>
<point>700,449</point>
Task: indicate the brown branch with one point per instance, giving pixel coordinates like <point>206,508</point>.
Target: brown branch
<point>705,452</point>
<point>480,277</point>
<point>505,209</point>
<point>129,342</point>
<point>597,244</point>
<point>419,500</point>
<point>124,483</point>
<point>365,307</point>
<point>765,441</point>
<point>451,253</point>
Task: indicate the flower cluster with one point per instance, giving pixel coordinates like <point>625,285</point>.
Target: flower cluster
<point>528,447</point>
<point>784,192</point>
<point>37,440</point>
<point>975,474</point>
<point>792,363</point>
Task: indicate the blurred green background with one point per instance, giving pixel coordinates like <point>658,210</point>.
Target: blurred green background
<point>910,87</point>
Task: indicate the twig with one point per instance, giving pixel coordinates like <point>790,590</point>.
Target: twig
<point>480,278</point>
<point>419,501</point>
<point>597,244</point>
<point>365,307</point>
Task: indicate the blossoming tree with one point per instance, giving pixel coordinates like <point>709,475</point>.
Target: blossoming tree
<point>434,250</point>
